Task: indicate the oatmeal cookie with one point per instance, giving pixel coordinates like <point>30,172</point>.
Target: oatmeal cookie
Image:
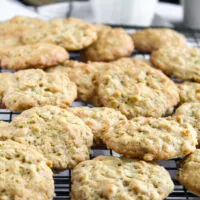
<point>25,173</point>
<point>112,43</point>
<point>183,63</point>
<point>107,177</point>
<point>152,138</point>
<point>136,89</point>
<point>189,172</point>
<point>32,56</point>
<point>34,87</point>
<point>11,31</point>
<point>149,40</point>
<point>59,135</point>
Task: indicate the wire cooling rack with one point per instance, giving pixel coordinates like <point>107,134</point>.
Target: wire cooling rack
<point>63,179</point>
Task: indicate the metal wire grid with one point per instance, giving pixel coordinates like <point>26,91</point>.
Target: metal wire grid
<point>63,179</point>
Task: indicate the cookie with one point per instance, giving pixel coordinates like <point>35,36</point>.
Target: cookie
<point>59,135</point>
<point>99,120</point>
<point>152,138</point>
<point>189,172</point>
<point>189,92</point>
<point>136,89</point>
<point>18,23</point>
<point>25,173</point>
<point>190,113</point>
<point>34,87</point>
<point>11,30</point>
<point>32,56</point>
<point>84,76</point>
<point>107,177</point>
<point>149,40</point>
<point>112,43</point>
<point>72,34</point>
<point>183,63</point>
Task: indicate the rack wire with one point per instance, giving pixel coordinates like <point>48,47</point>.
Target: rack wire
<point>63,179</point>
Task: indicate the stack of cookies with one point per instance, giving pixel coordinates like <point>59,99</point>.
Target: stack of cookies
<point>135,110</point>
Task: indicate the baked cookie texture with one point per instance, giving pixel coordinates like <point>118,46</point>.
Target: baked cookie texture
<point>99,120</point>
<point>4,124</point>
<point>152,138</point>
<point>183,63</point>
<point>189,92</point>
<point>6,80</point>
<point>32,56</point>
<point>11,30</point>
<point>190,113</point>
<point>8,40</point>
<point>25,173</point>
<point>107,177</point>
<point>112,43</point>
<point>136,89</point>
<point>72,34</point>
<point>34,87</point>
<point>189,172</point>
<point>149,40</point>
<point>60,136</point>
<point>84,76</point>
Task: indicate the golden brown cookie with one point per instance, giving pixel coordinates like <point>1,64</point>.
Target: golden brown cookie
<point>99,120</point>
<point>11,30</point>
<point>189,92</point>
<point>72,34</point>
<point>152,138</point>
<point>189,172</point>
<point>136,89</point>
<point>112,43</point>
<point>34,87</point>
<point>18,23</point>
<point>60,136</point>
<point>39,55</point>
<point>148,40</point>
<point>183,63</point>
<point>107,177</point>
<point>25,173</point>
<point>190,113</point>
